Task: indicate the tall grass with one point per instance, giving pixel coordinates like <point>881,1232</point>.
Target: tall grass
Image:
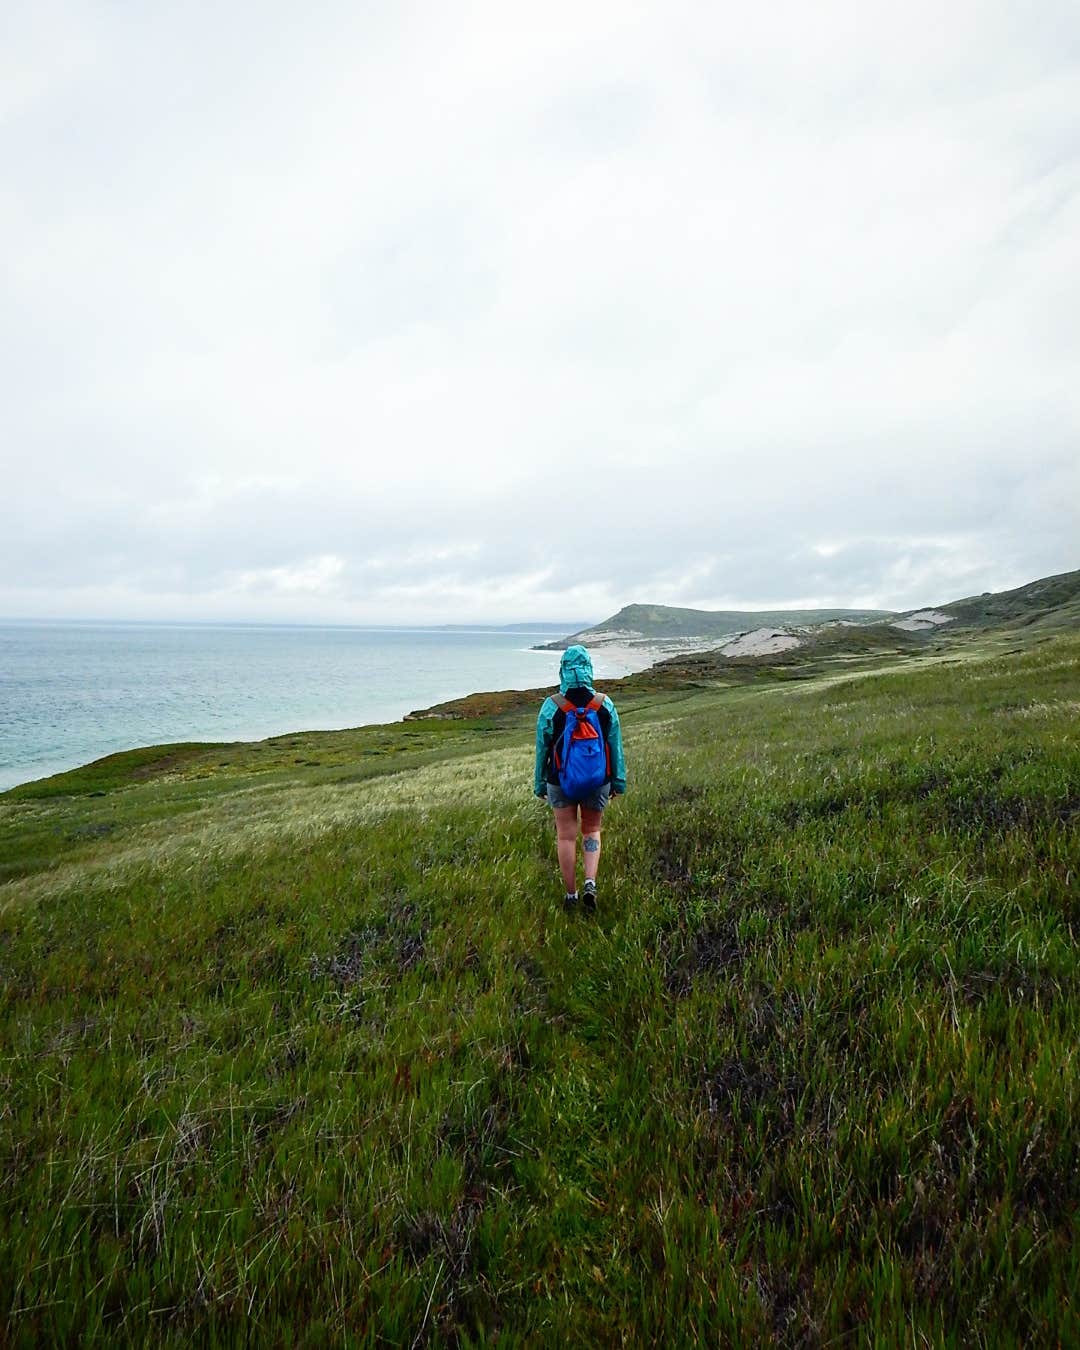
<point>312,1055</point>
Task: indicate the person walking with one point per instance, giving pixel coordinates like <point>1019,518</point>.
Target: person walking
<point>568,765</point>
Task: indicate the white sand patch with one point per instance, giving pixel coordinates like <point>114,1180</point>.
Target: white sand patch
<point>612,660</point>
<point>761,642</point>
<point>597,637</point>
<point>924,619</point>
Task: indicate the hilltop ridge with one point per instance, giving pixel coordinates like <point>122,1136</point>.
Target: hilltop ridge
<point>1048,601</point>
<point>1054,600</point>
<point>774,652</point>
<point>647,622</point>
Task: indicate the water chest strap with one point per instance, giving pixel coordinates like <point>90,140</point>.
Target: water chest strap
<point>594,704</point>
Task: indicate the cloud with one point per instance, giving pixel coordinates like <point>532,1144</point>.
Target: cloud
<point>317,576</point>
<point>514,316</point>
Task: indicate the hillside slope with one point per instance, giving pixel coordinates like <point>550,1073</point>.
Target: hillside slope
<point>667,621</point>
<point>308,1051</point>
<point>1053,601</point>
<point>1049,601</point>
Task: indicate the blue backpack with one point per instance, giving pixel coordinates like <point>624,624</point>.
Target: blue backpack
<point>581,754</point>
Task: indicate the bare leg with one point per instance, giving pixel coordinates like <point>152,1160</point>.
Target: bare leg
<point>590,834</point>
<point>591,846</point>
<point>566,828</point>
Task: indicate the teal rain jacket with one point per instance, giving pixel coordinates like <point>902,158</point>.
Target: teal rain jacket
<point>576,672</point>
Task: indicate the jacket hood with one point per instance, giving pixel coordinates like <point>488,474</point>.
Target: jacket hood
<point>575,669</point>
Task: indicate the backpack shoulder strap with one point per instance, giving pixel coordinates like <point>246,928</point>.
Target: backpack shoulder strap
<point>563,704</point>
<point>594,704</point>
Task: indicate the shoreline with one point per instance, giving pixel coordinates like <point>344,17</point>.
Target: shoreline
<point>636,656</point>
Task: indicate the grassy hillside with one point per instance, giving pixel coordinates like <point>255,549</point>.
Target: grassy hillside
<point>298,1044</point>
<point>668,621</point>
<point>1049,602</point>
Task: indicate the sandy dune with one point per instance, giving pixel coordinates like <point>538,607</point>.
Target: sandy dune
<point>761,642</point>
<point>924,619</point>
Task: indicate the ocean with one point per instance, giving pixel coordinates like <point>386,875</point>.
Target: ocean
<point>72,692</point>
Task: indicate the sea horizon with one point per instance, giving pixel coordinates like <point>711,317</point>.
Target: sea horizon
<point>523,625</point>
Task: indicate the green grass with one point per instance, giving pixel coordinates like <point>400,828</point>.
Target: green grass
<point>307,1052</point>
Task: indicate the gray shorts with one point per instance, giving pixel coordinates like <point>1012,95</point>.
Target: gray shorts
<point>596,801</point>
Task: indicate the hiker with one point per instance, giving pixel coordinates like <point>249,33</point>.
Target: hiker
<point>579,771</point>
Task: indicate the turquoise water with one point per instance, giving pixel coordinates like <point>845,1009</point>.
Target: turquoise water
<point>70,693</point>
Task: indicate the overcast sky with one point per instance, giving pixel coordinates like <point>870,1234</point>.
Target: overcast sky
<point>450,312</point>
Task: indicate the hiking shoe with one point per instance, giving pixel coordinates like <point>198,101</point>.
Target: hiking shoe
<point>570,900</point>
<point>588,898</point>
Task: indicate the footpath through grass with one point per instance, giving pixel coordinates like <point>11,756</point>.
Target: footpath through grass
<point>305,1053</point>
